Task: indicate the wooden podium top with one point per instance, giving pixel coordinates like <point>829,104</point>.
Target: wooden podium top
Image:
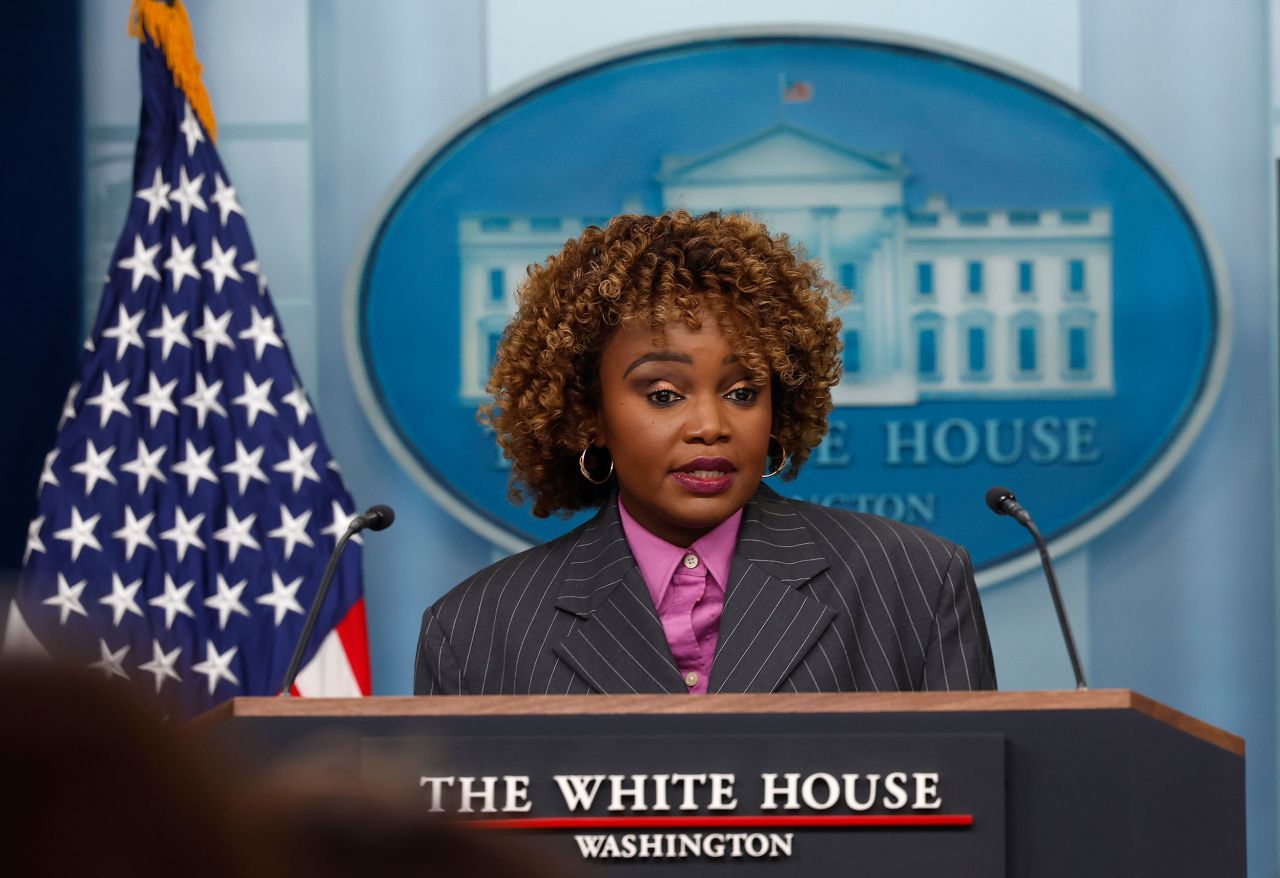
<point>861,702</point>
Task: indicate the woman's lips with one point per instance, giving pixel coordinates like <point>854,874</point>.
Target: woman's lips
<point>704,482</point>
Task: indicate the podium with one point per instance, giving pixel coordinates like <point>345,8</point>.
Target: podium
<point>1104,782</point>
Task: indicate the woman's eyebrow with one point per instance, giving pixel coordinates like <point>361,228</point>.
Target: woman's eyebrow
<point>658,357</point>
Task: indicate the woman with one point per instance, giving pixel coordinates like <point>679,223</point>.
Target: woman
<point>658,369</point>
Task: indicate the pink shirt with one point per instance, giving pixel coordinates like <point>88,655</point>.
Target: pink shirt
<point>687,586</point>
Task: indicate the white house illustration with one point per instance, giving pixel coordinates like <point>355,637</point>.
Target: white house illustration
<point>945,303</point>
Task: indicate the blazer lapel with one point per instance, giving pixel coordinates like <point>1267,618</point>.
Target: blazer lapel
<point>768,625</point>
<point>616,642</point>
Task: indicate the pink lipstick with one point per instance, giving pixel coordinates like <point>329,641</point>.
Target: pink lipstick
<point>706,475</point>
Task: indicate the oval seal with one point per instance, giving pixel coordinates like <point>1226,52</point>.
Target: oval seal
<point>1034,301</point>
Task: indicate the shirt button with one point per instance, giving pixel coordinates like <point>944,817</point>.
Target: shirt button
<point>691,561</point>
<point>691,679</point>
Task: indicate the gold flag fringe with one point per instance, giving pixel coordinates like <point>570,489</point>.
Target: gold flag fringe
<point>170,29</point>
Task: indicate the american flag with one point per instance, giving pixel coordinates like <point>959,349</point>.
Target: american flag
<point>190,503</point>
<point>795,91</point>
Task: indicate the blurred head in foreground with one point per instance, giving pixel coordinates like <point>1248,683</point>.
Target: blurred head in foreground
<point>94,781</point>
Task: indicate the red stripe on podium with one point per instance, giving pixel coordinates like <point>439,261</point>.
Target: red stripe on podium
<point>814,821</point>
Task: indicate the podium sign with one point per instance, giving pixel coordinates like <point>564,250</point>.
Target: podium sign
<point>968,784</point>
<point>931,803</point>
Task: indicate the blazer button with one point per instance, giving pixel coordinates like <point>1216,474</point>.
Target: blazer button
<point>691,561</point>
<point>691,679</point>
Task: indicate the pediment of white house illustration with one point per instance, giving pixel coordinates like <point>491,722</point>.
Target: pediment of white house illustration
<point>783,153</point>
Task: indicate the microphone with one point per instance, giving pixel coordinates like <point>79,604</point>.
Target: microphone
<point>1003,502</point>
<point>378,517</point>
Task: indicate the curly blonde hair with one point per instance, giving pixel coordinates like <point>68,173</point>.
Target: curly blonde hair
<point>775,310</point>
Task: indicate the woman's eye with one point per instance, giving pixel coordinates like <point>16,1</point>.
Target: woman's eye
<point>743,394</point>
<point>663,397</point>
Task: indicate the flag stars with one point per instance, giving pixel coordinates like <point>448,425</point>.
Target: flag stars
<point>262,332</point>
<point>158,399</point>
<point>247,466</point>
<point>68,406</point>
<point>34,543</point>
<point>123,598</point>
<point>135,532</point>
<point>146,465</point>
<point>156,196</point>
<point>67,600</point>
<point>195,467</point>
<point>225,197</point>
<point>185,532</point>
<point>292,530</point>
<point>95,466</point>
<point>47,476</point>
<point>252,267</point>
<point>110,399</point>
<point>181,263</point>
<point>190,129</point>
<point>298,399</point>
<point>256,398</point>
<point>221,265</point>
<point>111,663</point>
<point>174,600</point>
<point>237,533</point>
<point>125,331</point>
<point>170,332</point>
<point>142,263</point>
<point>341,520</point>
<point>213,332</point>
<point>187,195</point>
<point>299,464</point>
<point>80,533</point>
<point>161,664</point>
<point>216,666</point>
<point>227,601</point>
<point>205,399</point>
<point>282,598</point>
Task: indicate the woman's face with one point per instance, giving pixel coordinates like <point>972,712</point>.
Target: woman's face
<point>687,428</point>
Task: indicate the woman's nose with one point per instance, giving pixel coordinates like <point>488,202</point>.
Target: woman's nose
<point>707,422</point>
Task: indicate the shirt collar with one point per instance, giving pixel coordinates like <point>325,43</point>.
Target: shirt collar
<point>658,559</point>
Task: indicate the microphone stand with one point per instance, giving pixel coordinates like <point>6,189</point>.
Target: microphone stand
<point>295,663</point>
<point>1047,564</point>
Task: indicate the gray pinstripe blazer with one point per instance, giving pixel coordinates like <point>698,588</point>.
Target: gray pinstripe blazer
<point>818,600</point>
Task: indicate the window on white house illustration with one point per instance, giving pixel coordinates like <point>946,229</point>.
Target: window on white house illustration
<point>1026,276</point>
<point>495,338</point>
<point>976,347</point>
<point>927,328</point>
<point>1078,349</point>
<point>1026,349</point>
<point>853,352</point>
<point>497,285</point>
<point>927,352</point>
<point>1076,277</point>
<point>849,276</point>
<point>1024,339</point>
<point>924,278</point>
<point>975,277</point>
<point>1077,344</point>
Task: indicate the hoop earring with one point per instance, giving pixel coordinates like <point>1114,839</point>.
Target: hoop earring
<point>786,456</point>
<point>582,468</point>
